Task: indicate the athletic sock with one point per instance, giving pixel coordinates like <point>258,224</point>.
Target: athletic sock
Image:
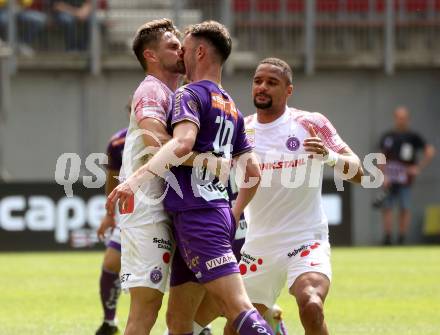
<point>251,323</point>
<point>197,329</point>
<point>110,288</point>
<point>282,328</point>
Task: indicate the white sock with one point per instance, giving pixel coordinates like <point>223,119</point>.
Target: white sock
<point>111,322</point>
<point>197,328</point>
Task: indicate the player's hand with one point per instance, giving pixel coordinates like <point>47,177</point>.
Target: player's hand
<point>314,144</point>
<point>123,192</point>
<point>107,222</point>
<point>222,169</point>
<point>236,215</point>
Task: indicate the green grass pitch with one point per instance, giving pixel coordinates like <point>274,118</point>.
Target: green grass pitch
<point>374,291</point>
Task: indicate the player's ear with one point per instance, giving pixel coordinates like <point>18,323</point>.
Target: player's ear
<point>200,51</point>
<point>289,90</point>
<point>150,55</point>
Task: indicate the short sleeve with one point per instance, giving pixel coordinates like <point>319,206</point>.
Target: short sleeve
<point>241,144</point>
<point>150,106</point>
<point>186,106</point>
<point>327,132</point>
<point>419,141</point>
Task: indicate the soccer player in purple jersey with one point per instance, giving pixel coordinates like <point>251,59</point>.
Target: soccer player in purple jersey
<point>109,284</point>
<point>204,119</point>
<point>208,310</point>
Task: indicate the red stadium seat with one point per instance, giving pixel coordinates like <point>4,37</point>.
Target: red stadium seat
<point>380,5</point>
<point>327,5</point>
<point>268,5</point>
<point>295,6</point>
<point>416,5</point>
<point>241,6</point>
<point>358,5</point>
<point>102,4</point>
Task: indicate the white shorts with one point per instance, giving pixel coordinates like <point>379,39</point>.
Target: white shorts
<point>146,256</point>
<point>264,275</point>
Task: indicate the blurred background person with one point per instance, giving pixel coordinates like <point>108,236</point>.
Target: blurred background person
<point>74,18</point>
<point>31,21</point>
<point>400,147</point>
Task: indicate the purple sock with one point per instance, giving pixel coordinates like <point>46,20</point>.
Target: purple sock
<point>110,288</point>
<point>283,328</point>
<point>251,323</point>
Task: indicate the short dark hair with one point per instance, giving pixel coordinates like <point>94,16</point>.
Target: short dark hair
<point>284,67</point>
<point>148,35</point>
<point>216,34</point>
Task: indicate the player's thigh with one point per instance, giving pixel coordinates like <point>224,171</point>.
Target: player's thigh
<point>145,256</point>
<point>183,302</point>
<point>264,275</point>
<point>208,311</point>
<point>309,270</point>
<point>112,260</point>
<point>230,293</point>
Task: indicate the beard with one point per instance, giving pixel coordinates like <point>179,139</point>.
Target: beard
<point>263,105</point>
<point>178,67</point>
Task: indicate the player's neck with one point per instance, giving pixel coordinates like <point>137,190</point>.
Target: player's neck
<point>268,116</point>
<point>169,79</point>
<point>213,74</point>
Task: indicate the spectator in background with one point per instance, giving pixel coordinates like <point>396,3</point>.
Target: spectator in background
<point>400,147</point>
<point>74,17</point>
<point>31,22</point>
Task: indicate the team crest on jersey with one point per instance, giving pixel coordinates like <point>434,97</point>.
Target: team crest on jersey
<point>193,106</point>
<point>156,275</point>
<point>292,143</point>
<point>250,135</point>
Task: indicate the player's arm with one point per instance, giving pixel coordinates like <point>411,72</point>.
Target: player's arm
<point>156,135</point>
<point>172,153</point>
<point>347,160</point>
<point>248,179</point>
<point>428,155</point>
<point>334,152</point>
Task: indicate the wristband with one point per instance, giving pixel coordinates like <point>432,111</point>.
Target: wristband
<point>331,159</point>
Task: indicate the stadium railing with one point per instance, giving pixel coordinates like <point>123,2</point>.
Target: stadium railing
<point>309,33</point>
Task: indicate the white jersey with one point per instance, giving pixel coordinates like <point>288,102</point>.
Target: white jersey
<point>287,209</point>
<point>152,99</point>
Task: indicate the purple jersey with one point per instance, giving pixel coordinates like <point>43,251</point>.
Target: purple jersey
<point>221,131</point>
<point>115,149</point>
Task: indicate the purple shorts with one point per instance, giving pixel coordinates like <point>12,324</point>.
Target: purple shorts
<point>204,245</point>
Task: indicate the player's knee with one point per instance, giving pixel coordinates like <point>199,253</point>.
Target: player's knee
<point>178,322</point>
<point>112,263</point>
<point>312,311</point>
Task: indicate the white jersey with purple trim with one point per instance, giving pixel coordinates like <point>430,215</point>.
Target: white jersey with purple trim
<point>152,99</point>
<point>288,206</point>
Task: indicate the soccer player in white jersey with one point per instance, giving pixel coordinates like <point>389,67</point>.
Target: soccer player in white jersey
<point>146,242</point>
<point>287,238</point>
